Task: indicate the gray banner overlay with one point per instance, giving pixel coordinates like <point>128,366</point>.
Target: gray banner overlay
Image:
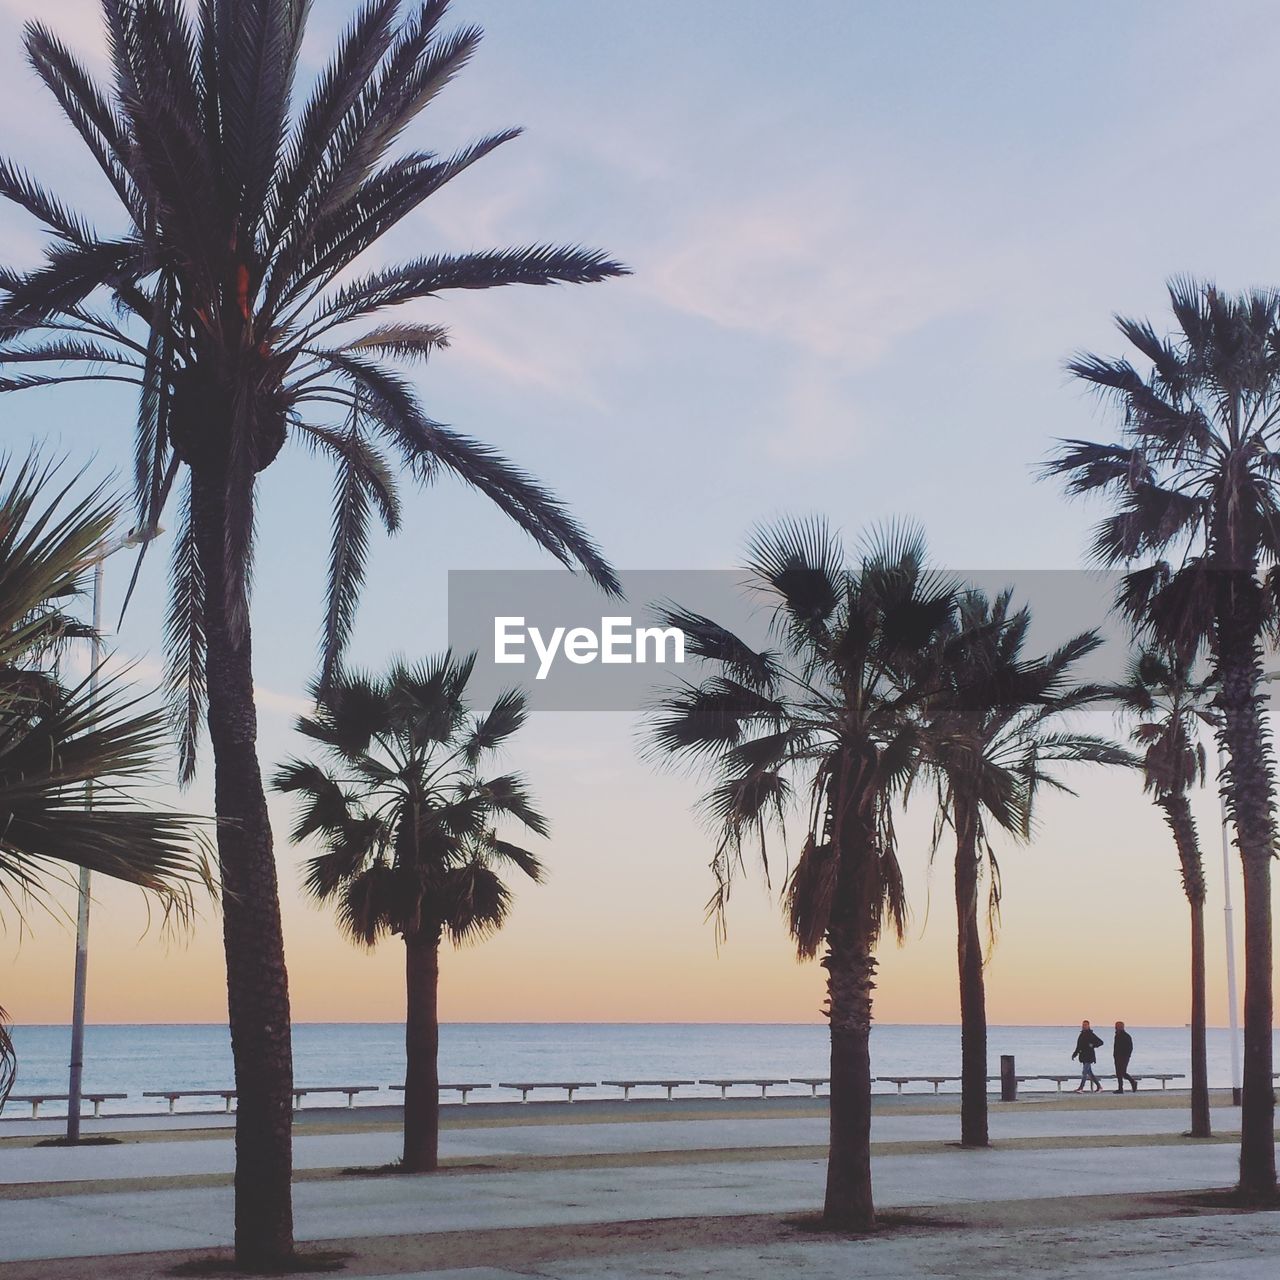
<point>569,647</point>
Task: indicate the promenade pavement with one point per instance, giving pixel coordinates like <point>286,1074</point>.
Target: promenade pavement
<point>1214,1248</point>
<point>200,1217</point>
<point>214,1154</point>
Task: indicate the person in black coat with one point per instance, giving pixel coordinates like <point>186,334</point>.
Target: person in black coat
<point>1086,1050</point>
<point>1122,1051</point>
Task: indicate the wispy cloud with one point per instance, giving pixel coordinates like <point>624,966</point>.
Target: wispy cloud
<point>148,672</point>
<point>820,268</point>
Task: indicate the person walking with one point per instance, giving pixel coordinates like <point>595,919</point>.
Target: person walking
<point>1086,1050</point>
<point>1122,1051</point>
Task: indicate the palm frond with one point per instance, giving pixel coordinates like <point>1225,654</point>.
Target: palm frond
<point>185,642</point>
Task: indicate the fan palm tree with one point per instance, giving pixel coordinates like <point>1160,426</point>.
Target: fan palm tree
<point>57,738</point>
<point>1196,524</point>
<point>994,727</point>
<point>1168,705</point>
<point>235,296</point>
<point>833,716</point>
<point>410,845</point>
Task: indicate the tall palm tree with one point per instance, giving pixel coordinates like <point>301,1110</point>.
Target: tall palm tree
<point>833,714</point>
<point>1196,522</point>
<point>1168,705</point>
<point>995,726</point>
<point>234,294</point>
<point>407,824</point>
<point>55,737</point>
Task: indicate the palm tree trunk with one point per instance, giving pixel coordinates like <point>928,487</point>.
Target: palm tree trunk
<point>257,981</point>
<point>973,996</point>
<point>850,982</point>
<point>1257,1099</point>
<point>1248,787</point>
<point>422,1047</point>
<point>1177,811</point>
<point>1200,1119</point>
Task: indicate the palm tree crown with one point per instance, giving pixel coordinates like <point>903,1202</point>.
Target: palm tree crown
<point>834,708</point>
<point>57,738</point>
<point>996,723</point>
<point>238,303</point>
<point>404,817</point>
<point>1168,704</point>
<point>1194,479</point>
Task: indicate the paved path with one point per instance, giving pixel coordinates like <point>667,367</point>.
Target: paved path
<point>215,1155</point>
<point>1193,1249</point>
<point>137,1222</point>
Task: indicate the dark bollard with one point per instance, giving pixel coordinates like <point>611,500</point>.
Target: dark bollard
<point>1008,1079</point>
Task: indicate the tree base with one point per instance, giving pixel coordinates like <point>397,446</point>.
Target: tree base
<point>79,1142</point>
<point>302,1262</point>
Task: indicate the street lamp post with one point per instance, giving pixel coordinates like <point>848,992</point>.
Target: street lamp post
<point>75,1083</point>
<point>1232,1002</point>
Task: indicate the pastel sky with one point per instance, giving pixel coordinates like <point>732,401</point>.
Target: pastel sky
<point>864,237</point>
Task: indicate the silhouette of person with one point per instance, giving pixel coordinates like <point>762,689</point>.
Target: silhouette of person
<point>1122,1051</point>
<point>1087,1045</point>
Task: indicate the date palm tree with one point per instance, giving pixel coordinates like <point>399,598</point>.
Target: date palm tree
<point>57,737</point>
<point>236,293</point>
<point>407,822</point>
<point>995,727</point>
<point>1168,706</point>
<point>831,718</point>
<point>1195,521</point>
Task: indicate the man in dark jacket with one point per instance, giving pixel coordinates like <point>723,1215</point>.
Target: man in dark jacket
<point>1122,1051</point>
<point>1087,1045</point>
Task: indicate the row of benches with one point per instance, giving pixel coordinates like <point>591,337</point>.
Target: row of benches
<point>569,1087</point>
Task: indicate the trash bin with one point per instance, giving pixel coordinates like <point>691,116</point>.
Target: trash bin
<point>1008,1079</point>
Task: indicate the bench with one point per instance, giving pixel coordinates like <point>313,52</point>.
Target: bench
<point>1163,1076</point>
<point>228,1096</point>
<point>570,1086</point>
<point>349,1089</point>
<point>814,1082</point>
<point>762,1085</point>
<point>1058,1080</point>
<point>37,1100</point>
<point>936,1081</point>
<point>463,1089</point>
<point>627,1085</point>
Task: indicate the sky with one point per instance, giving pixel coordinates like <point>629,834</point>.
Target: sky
<point>864,237</point>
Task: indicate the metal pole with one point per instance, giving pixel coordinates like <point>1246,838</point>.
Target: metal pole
<point>75,1084</point>
<point>1233,1004</point>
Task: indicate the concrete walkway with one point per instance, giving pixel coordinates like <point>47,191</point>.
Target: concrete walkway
<point>215,1155</point>
<point>194,1218</point>
<point>1193,1249</point>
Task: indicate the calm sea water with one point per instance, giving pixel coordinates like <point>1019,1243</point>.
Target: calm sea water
<point>129,1059</point>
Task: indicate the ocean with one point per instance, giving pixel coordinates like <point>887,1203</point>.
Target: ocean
<point>130,1059</point>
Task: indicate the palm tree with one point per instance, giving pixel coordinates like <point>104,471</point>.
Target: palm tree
<point>237,301</point>
<point>835,714</point>
<point>56,738</point>
<point>1168,705</point>
<point>994,727</point>
<point>407,824</point>
<point>1196,508</point>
